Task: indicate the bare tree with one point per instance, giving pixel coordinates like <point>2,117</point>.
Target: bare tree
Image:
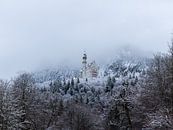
<point>23,96</point>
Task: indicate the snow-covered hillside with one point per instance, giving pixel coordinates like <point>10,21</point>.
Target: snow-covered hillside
<point>111,79</point>
<point>54,74</point>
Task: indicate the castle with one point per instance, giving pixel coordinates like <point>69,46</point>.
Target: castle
<point>90,70</point>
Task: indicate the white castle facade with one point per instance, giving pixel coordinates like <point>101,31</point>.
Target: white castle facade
<point>90,70</point>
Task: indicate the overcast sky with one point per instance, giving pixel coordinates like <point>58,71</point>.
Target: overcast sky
<point>40,33</point>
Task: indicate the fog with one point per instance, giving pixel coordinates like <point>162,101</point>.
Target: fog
<point>36,34</point>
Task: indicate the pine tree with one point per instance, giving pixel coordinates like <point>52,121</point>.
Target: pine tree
<point>72,82</point>
<point>64,82</point>
<point>109,85</point>
<point>61,108</point>
<point>78,81</point>
<point>113,79</point>
<point>67,87</point>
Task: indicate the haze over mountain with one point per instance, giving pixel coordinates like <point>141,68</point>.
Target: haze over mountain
<point>39,34</point>
<point>86,65</point>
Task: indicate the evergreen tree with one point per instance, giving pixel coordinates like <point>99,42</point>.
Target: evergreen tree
<point>64,82</point>
<point>67,87</point>
<point>109,85</point>
<point>72,82</point>
<point>86,79</point>
<point>113,80</point>
<point>61,108</point>
<point>78,80</point>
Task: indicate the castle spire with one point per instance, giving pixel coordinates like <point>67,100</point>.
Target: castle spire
<point>84,62</point>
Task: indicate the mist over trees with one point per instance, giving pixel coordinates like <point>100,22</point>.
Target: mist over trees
<point>129,97</point>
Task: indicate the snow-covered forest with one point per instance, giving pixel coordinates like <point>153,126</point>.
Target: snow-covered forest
<point>130,95</point>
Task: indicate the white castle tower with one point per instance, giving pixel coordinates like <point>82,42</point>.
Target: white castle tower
<point>89,70</point>
<point>84,63</point>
